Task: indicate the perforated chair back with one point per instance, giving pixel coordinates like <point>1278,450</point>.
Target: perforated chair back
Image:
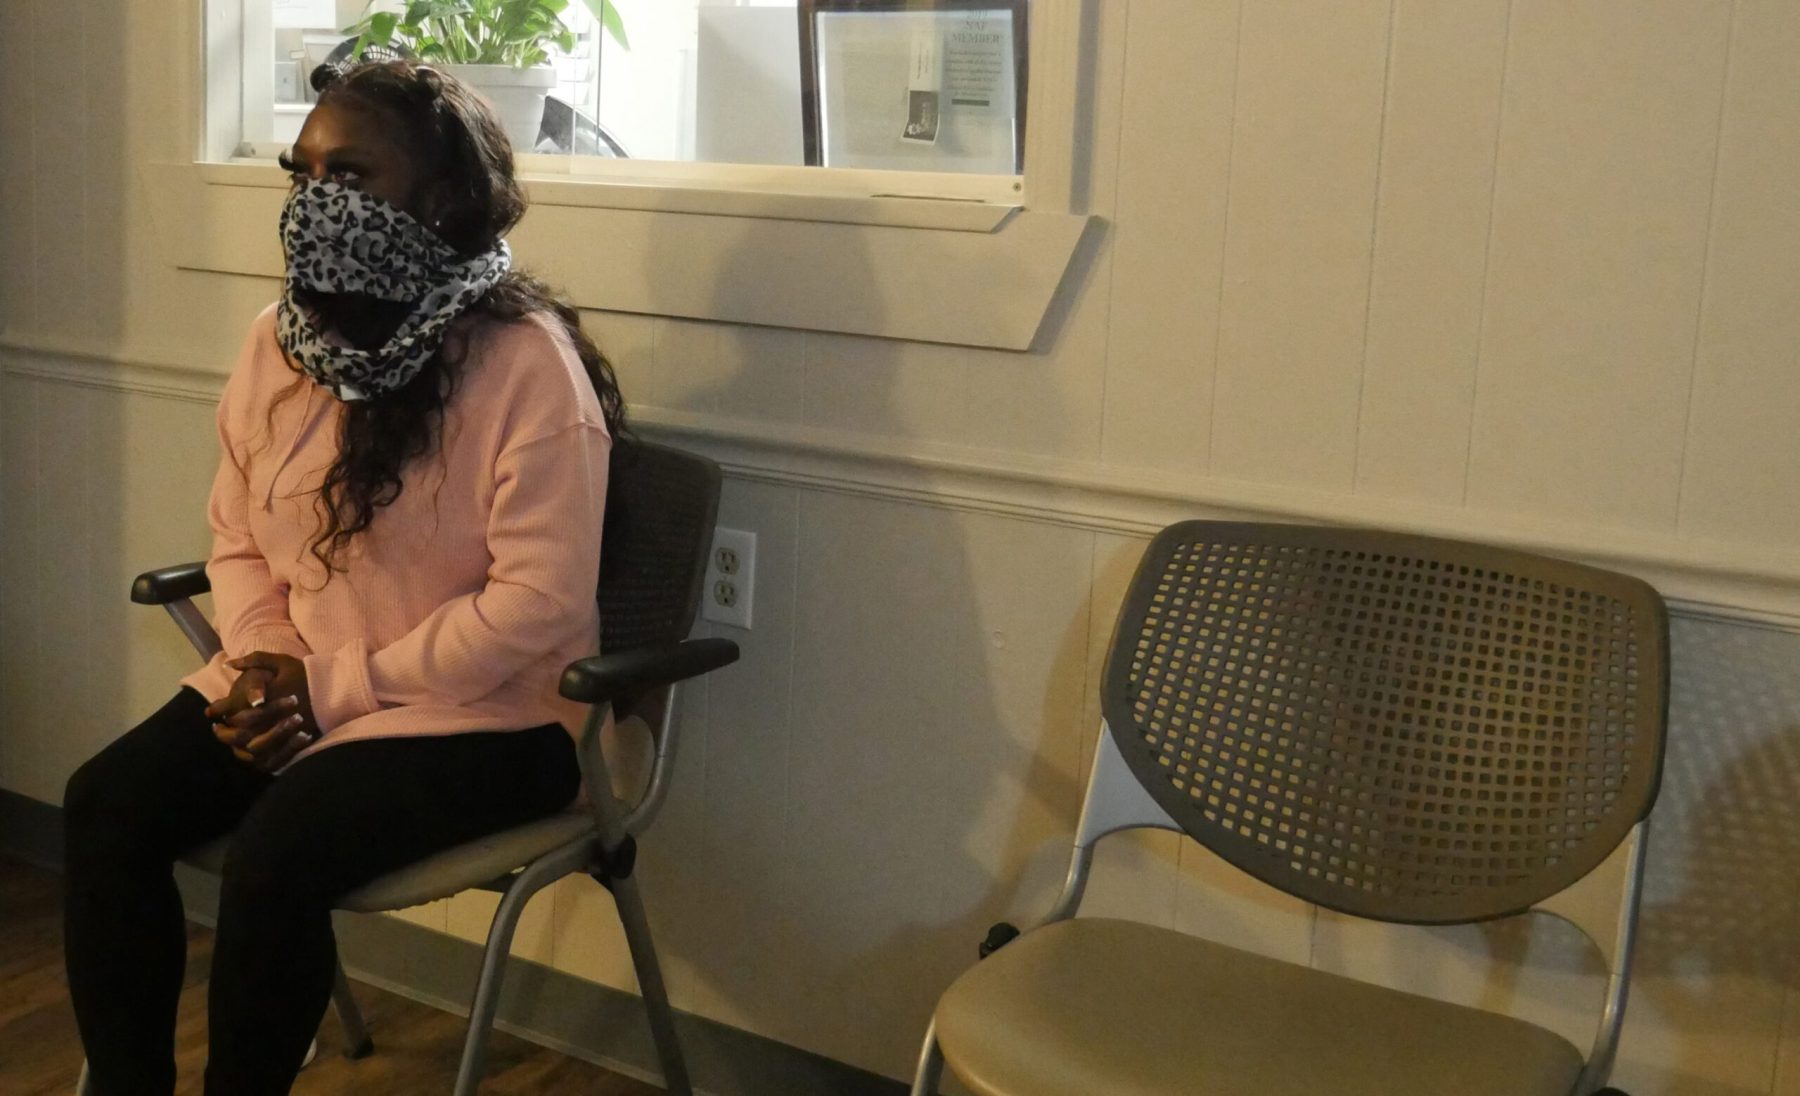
<point>1397,727</point>
<point>661,504</point>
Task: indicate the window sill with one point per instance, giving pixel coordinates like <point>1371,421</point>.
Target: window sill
<point>559,189</point>
<point>932,270</point>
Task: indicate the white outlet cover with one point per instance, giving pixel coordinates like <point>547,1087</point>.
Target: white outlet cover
<point>741,544</point>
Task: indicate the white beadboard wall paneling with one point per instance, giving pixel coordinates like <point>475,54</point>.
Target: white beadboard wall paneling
<point>1431,234</point>
<point>1743,446</point>
<point>72,468</point>
<point>722,958</point>
<point>1721,899</point>
<point>1135,874</point>
<point>629,343</point>
<point>105,124</point>
<point>166,451</point>
<point>1174,168</point>
<point>23,684</point>
<point>1603,187</point>
<point>1051,400</point>
<point>1310,84</point>
<point>59,159</point>
<point>18,168</point>
<point>918,743</point>
<point>883,388</point>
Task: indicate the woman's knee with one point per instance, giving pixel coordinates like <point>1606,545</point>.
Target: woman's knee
<point>98,792</point>
<point>100,803</point>
<point>273,865</point>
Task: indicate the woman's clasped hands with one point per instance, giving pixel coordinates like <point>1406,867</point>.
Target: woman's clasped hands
<point>267,718</point>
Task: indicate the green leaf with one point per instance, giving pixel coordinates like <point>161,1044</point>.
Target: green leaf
<point>608,15</point>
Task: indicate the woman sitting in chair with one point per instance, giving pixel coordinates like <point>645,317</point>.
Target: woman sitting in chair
<point>406,535</point>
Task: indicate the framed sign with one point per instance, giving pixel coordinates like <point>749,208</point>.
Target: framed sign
<point>915,85</point>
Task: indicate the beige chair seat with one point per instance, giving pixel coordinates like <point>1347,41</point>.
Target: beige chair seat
<point>1095,1007</point>
<point>448,872</point>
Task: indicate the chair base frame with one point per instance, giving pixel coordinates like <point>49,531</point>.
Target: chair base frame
<point>1115,802</point>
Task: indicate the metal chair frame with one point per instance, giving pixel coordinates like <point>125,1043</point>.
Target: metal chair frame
<point>634,678</point>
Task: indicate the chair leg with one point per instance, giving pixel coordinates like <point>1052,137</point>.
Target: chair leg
<point>487,989</point>
<point>931,1065</point>
<point>650,983</point>
<point>357,1043</point>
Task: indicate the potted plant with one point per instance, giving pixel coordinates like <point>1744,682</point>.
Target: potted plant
<point>501,47</point>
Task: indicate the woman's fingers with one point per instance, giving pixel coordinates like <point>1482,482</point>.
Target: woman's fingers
<point>250,723</point>
<point>273,738</point>
<point>250,690</point>
<point>285,753</point>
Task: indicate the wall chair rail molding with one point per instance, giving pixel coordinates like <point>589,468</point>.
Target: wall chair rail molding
<point>1707,580</point>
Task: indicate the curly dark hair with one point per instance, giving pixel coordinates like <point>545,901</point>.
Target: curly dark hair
<point>466,159</point>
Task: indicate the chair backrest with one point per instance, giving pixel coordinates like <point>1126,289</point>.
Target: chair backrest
<point>661,504</point>
<point>1397,727</point>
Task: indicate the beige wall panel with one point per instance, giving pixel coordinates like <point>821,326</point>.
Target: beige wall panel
<point>470,915</point>
<point>732,370</point>
<point>1174,165</point>
<point>1704,1034</point>
<point>103,168</point>
<point>1742,445</point>
<point>152,513</point>
<point>586,938</point>
<point>1431,235</point>
<point>629,343</point>
<point>1600,207</point>
<point>18,169</point>
<point>23,688</point>
<point>886,388</point>
<point>1297,242</point>
<point>59,158</point>
<point>724,858</point>
<point>913,731</point>
<point>761,372</point>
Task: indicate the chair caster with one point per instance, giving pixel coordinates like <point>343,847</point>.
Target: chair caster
<point>360,1050</point>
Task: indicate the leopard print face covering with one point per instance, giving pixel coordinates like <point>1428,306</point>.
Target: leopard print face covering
<point>339,240</point>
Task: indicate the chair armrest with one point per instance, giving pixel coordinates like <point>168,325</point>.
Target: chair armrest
<point>167,584</point>
<point>605,678</point>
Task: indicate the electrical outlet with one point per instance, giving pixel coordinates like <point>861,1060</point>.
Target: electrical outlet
<point>730,578</point>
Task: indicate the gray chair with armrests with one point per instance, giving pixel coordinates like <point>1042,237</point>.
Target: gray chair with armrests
<point>1398,728</point>
<point>660,508</point>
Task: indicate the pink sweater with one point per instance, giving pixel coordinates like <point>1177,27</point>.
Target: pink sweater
<point>466,597</point>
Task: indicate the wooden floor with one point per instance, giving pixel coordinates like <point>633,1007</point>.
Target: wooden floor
<point>417,1046</point>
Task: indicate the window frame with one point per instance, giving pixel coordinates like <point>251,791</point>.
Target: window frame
<point>860,253</point>
<point>806,192</point>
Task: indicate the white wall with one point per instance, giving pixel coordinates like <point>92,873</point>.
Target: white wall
<point>1528,264</point>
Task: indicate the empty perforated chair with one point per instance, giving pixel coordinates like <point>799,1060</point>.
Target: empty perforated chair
<point>660,507</point>
<point>1393,727</point>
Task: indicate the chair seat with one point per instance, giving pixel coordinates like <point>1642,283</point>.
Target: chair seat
<point>1100,1006</point>
<point>448,872</point>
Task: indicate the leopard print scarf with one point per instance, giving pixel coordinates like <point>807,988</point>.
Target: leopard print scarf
<point>339,240</point>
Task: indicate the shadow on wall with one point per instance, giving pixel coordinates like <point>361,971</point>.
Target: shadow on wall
<point>1723,896</point>
<point>1722,893</point>
<point>929,741</point>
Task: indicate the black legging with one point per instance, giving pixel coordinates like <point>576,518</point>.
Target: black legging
<point>327,825</point>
